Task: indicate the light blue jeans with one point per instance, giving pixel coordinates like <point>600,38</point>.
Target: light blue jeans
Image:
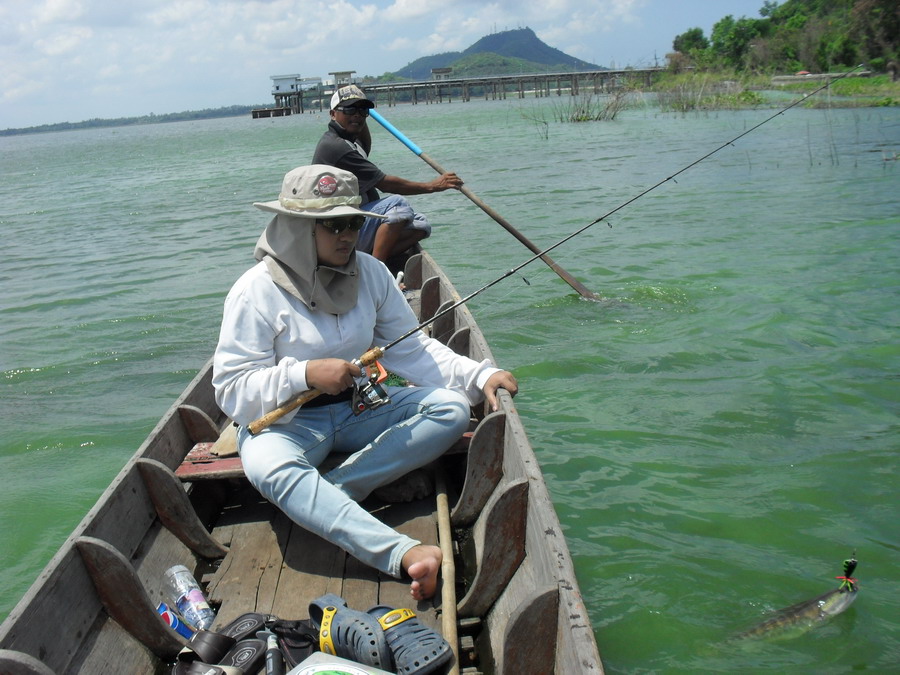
<point>397,209</point>
<point>418,426</point>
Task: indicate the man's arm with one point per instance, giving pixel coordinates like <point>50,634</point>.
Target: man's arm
<point>402,186</point>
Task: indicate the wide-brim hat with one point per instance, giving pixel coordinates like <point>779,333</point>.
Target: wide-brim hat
<point>318,191</point>
<point>350,95</point>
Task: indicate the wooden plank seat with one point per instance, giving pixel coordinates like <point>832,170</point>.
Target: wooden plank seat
<point>218,460</point>
<point>213,460</point>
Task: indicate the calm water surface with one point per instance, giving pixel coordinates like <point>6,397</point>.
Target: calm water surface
<point>718,434</point>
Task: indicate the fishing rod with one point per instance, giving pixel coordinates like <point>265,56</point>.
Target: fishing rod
<point>372,356</point>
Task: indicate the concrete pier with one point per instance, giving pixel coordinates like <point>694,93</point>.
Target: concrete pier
<point>498,87</point>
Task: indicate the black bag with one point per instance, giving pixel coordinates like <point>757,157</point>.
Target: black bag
<point>297,639</point>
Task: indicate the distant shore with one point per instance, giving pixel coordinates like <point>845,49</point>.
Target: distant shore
<point>874,91</point>
<point>209,113</point>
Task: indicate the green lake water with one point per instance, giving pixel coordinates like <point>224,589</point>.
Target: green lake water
<point>718,434</point>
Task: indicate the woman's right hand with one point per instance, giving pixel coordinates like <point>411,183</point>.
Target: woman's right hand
<point>331,376</point>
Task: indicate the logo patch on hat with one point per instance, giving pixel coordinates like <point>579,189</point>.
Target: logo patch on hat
<point>327,186</point>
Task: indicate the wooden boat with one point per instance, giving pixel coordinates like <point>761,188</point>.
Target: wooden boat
<point>509,601</point>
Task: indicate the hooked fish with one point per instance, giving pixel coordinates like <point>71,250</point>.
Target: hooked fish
<point>795,620</point>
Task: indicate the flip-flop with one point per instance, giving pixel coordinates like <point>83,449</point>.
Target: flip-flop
<point>416,648</point>
<point>349,633</point>
<point>199,668</point>
<point>244,658</point>
<point>210,646</point>
<point>246,625</point>
<point>206,646</point>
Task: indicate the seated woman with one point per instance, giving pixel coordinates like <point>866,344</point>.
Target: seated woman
<point>295,322</point>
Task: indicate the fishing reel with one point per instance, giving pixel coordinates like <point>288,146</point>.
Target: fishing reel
<point>368,393</point>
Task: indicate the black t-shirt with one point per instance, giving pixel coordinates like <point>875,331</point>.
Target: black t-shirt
<point>337,148</point>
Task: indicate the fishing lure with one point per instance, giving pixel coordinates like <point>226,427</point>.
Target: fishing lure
<point>795,620</point>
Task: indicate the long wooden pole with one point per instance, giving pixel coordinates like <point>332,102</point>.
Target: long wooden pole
<point>565,276</point>
<point>448,570</point>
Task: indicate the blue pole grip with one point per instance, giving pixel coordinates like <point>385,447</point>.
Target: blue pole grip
<point>394,130</point>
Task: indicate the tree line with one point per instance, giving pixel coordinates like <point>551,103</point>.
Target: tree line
<point>798,35</point>
<point>94,123</point>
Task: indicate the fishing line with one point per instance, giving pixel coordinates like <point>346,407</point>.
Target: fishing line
<point>621,206</point>
<point>375,353</point>
<point>638,196</point>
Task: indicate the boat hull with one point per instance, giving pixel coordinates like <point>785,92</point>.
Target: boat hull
<point>518,605</point>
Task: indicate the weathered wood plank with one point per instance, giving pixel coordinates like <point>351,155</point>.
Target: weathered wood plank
<point>412,272</point>
<point>175,509</point>
<point>124,598</point>
<point>430,298</point>
<point>112,650</point>
<point>484,469</point>
<point>311,567</point>
<point>499,547</point>
<point>459,341</point>
<point>17,663</point>
<point>444,326</point>
<point>200,426</point>
<point>360,586</point>
<point>253,550</point>
<point>212,468</point>
<point>529,641</point>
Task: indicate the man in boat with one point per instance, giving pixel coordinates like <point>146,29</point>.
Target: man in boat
<point>294,322</point>
<point>346,144</point>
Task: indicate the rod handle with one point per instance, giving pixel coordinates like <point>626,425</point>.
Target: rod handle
<point>273,416</point>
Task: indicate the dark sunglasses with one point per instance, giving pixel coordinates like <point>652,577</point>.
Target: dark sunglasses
<point>338,225</point>
<point>353,110</point>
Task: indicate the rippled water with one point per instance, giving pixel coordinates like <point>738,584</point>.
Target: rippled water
<point>718,433</point>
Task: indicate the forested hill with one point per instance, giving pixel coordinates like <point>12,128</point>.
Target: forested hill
<point>814,35</point>
<point>519,50</point>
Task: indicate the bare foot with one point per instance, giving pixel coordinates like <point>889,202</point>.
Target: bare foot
<point>422,563</point>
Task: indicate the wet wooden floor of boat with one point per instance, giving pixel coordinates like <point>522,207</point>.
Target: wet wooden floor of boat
<point>276,567</point>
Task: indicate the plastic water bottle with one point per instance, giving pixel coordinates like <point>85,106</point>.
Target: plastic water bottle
<point>188,598</point>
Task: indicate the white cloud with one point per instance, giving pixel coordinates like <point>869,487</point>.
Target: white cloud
<point>405,10</point>
<point>64,41</point>
<point>58,11</point>
<point>189,54</point>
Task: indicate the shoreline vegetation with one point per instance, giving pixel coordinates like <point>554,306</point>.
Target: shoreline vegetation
<point>673,92</point>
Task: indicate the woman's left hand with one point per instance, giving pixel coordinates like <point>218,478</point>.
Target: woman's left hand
<point>500,380</point>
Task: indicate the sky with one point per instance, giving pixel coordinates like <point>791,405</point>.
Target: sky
<point>73,60</point>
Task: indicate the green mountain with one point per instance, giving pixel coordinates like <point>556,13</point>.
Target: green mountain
<point>508,52</point>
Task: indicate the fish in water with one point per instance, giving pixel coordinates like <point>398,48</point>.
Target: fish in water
<point>797,619</point>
